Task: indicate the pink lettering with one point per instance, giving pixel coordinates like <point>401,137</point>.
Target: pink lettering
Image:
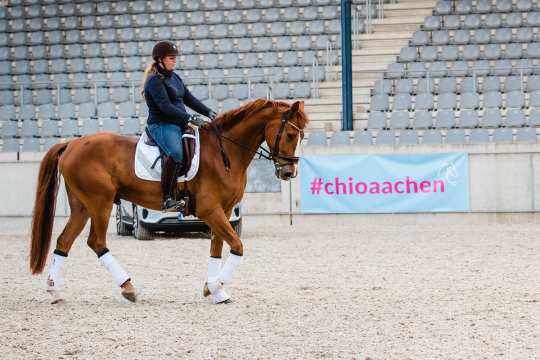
<point>396,187</point>
<point>425,186</point>
<point>438,182</point>
<point>327,188</point>
<point>409,183</point>
<point>342,186</point>
<point>360,185</point>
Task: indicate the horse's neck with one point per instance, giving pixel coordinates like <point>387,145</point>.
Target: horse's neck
<point>250,134</point>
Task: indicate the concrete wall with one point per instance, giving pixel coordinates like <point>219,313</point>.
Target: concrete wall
<point>503,179</point>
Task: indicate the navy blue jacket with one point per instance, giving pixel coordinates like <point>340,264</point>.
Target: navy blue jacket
<point>166,97</point>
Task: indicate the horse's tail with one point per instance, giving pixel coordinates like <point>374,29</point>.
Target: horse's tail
<point>44,208</point>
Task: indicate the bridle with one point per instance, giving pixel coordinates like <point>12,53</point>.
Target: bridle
<point>273,154</point>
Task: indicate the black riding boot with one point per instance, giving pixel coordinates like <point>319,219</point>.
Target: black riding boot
<point>168,184</point>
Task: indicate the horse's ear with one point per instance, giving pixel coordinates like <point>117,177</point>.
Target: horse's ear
<point>298,105</point>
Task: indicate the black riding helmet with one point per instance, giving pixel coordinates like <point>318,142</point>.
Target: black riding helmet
<point>162,49</point>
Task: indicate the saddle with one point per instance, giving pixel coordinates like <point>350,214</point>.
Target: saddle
<point>188,147</point>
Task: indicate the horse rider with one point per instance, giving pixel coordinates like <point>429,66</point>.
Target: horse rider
<point>166,96</point>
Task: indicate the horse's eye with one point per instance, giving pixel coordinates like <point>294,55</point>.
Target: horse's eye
<point>291,137</point>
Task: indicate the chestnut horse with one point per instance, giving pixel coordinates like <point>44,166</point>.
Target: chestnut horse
<point>99,169</point>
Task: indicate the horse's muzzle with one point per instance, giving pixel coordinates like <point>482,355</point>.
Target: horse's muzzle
<point>286,172</point>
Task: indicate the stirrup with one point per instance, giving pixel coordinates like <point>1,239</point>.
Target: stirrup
<point>171,205</point>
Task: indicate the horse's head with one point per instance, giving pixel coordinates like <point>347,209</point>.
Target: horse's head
<point>283,134</point>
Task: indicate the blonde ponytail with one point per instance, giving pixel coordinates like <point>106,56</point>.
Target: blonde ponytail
<point>150,69</point>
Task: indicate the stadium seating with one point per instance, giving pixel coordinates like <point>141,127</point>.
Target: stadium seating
<point>84,60</point>
<point>470,71</point>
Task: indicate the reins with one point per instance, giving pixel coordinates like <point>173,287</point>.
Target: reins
<point>263,153</point>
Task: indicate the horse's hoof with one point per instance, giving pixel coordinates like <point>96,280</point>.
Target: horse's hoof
<point>206,290</point>
<point>56,297</point>
<point>130,295</point>
<point>227,301</point>
<point>57,301</point>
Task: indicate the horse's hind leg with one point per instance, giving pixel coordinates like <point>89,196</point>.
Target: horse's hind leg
<point>78,218</point>
<point>97,241</point>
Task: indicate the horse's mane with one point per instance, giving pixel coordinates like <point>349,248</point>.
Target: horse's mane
<point>232,117</point>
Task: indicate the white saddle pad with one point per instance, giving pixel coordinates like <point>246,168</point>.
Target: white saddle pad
<point>146,155</point>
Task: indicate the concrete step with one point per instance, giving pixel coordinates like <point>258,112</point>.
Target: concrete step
<point>358,83</point>
<point>375,50</point>
<point>399,20</point>
<point>384,36</point>
<point>395,27</point>
<point>409,5</point>
<point>374,59</point>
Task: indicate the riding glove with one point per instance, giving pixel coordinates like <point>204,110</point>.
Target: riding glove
<point>196,120</point>
<point>212,115</point>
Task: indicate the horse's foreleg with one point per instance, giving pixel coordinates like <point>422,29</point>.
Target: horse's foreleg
<point>97,242</point>
<point>77,220</point>
<point>218,275</point>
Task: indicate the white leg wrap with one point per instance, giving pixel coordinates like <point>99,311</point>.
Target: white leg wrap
<point>231,264</point>
<point>110,263</point>
<point>55,272</point>
<point>214,266</point>
<point>219,296</point>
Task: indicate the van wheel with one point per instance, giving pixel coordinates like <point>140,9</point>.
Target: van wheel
<point>122,228</point>
<point>139,231</point>
<point>237,226</point>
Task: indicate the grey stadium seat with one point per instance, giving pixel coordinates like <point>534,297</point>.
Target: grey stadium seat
<point>432,137</point>
<point>401,102</point>
<point>10,145</point>
<point>491,118</point>
<point>445,119</point>
<point>341,138</point>
<point>362,138</point>
<point>111,125</point>
<point>70,128</point>
<point>468,119</point>
<point>408,137</point>
<point>385,137</point>
<point>479,136</point>
<point>9,128</point>
<point>420,38</point>
<point>526,135</point>
<point>446,101</point>
<point>30,144</point>
<point>403,86</point>
<point>383,86</point>
<point>423,102</point>
<point>439,37</point>
<point>515,99</point>
<point>399,119</point>
<point>515,117</point>
<point>422,119</point>
<point>49,128</point>
<point>379,102</point>
<point>89,126</point>
<point>455,136</point>
<point>468,84</point>
<point>377,120</point>
<point>502,136</point>
<point>131,126</point>
<point>317,138</point>
<point>407,54</point>
<point>447,85</point>
<point>469,100</point>
<point>534,117</point>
